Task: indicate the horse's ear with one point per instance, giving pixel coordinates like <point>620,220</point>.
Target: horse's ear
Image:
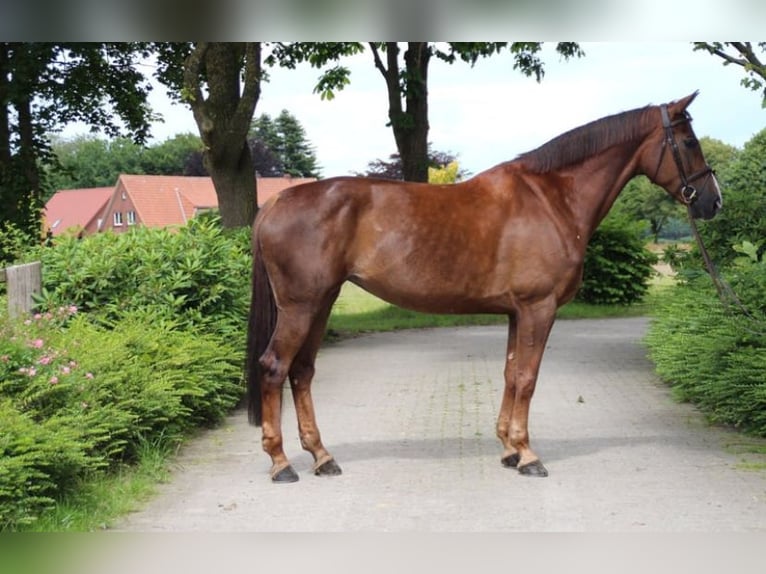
<point>683,103</point>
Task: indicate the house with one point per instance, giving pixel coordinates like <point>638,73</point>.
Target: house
<point>150,200</point>
<point>77,210</point>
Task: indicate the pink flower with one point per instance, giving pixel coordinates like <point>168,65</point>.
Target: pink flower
<point>37,316</point>
<point>44,360</point>
<point>54,380</point>
<point>28,322</point>
<point>66,370</point>
<point>38,343</point>
<point>88,375</point>
<point>72,309</point>
<point>73,364</point>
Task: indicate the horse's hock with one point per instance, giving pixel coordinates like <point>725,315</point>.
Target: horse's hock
<point>23,281</point>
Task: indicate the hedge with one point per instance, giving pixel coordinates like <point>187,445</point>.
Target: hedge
<point>712,354</point>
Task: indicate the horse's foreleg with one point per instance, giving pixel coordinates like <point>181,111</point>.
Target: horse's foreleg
<point>301,375</point>
<point>510,456</point>
<point>533,327</point>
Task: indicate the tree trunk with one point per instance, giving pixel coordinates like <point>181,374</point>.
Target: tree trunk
<point>410,124</point>
<point>413,137</point>
<point>223,119</point>
<point>235,188</point>
<point>20,177</point>
<point>6,201</point>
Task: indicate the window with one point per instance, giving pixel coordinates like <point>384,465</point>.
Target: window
<point>131,217</point>
<point>117,218</point>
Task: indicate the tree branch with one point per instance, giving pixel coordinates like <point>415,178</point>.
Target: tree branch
<point>192,87</point>
<point>378,62</point>
<point>252,84</point>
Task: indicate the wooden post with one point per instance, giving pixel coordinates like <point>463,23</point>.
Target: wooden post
<point>23,281</point>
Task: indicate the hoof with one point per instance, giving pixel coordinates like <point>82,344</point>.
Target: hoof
<point>285,475</point>
<point>511,461</point>
<point>329,468</point>
<point>534,468</point>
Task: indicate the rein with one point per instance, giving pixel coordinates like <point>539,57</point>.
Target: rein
<point>726,294</point>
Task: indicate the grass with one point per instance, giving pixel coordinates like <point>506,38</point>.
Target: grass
<point>753,453</point>
<point>106,497</point>
<point>357,311</point>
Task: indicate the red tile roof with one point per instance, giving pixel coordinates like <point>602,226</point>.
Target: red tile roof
<point>157,200</point>
<point>162,200</point>
<point>75,208</point>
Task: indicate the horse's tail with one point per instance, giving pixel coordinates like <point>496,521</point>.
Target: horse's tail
<point>261,323</point>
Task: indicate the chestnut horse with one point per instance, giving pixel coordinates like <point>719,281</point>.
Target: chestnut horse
<point>510,240</point>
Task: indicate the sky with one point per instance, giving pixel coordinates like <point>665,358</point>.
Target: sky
<point>489,113</point>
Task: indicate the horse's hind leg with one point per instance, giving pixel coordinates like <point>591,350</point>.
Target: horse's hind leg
<point>301,375</point>
<point>289,335</point>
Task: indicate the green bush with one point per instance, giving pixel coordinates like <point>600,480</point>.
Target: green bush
<point>76,399</point>
<point>743,216</point>
<point>38,461</point>
<point>715,355</point>
<point>195,276</point>
<point>617,265</point>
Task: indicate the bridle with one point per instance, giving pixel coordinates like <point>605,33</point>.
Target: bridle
<point>688,191</point>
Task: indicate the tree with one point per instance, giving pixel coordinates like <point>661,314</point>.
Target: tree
<point>407,80</point>
<point>641,200</point>
<point>265,161</point>
<point>221,82</point>
<point>446,174</point>
<point>285,139</point>
<point>744,55</point>
<point>43,86</point>
<point>392,169</point>
<point>91,161</point>
<point>170,157</point>
<point>744,215</point>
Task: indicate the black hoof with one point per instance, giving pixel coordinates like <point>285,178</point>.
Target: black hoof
<point>329,468</point>
<point>285,475</point>
<point>511,461</point>
<point>534,468</point>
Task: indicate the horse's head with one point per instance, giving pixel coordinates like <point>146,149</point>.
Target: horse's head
<point>681,168</point>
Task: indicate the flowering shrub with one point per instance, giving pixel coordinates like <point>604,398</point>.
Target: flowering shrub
<point>76,399</point>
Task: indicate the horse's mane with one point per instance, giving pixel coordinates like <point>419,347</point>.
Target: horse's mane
<point>588,140</point>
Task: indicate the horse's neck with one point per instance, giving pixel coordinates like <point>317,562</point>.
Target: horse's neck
<point>597,183</point>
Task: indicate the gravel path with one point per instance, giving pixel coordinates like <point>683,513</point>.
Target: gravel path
<point>410,418</point>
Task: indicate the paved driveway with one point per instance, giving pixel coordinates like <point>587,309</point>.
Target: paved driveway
<point>410,418</point>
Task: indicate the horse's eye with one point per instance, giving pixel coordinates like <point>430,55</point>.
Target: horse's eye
<point>691,142</point>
